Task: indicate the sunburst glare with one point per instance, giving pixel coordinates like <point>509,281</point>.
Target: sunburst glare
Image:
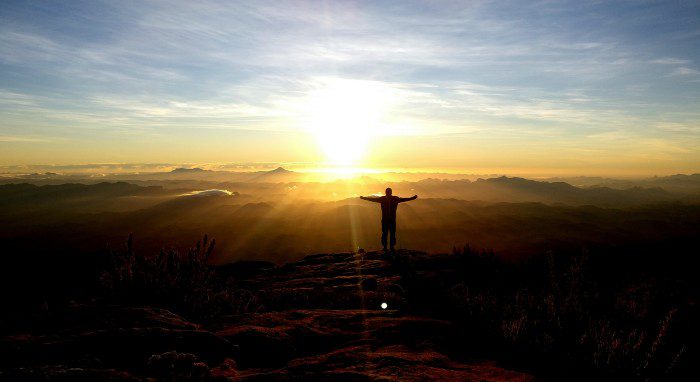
<point>344,115</point>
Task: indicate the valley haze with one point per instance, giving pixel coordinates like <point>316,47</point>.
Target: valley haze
<point>279,215</point>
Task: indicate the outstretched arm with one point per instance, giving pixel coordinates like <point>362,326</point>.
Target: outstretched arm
<point>375,199</point>
<point>414,197</point>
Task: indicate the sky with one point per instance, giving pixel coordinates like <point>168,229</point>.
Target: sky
<point>575,87</point>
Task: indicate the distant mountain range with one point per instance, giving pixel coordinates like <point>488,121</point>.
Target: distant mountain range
<point>278,175</point>
<point>195,170</point>
<point>281,184</point>
<point>505,217</point>
<point>680,183</point>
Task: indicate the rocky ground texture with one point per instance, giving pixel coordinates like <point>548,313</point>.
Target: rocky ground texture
<point>318,319</point>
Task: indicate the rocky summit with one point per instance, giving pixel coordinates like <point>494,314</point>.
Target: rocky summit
<point>319,319</point>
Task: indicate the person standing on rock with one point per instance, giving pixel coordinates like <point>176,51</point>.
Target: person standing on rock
<point>389,204</point>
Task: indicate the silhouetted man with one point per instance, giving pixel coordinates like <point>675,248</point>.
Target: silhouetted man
<point>389,204</point>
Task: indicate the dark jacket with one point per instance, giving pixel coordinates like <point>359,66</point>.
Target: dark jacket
<point>389,204</point>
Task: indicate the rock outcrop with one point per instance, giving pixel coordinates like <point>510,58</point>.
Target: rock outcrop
<point>319,319</point>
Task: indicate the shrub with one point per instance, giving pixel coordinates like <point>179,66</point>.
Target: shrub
<point>183,282</point>
<point>560,311</point>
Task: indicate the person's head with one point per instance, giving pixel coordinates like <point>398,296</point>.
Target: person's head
<point>388,191</point>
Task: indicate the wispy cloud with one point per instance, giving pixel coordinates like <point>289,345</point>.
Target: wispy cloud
<point>669,61</point>
<point>684,71</point>
<point>21,139</point>
<point>528,71</point>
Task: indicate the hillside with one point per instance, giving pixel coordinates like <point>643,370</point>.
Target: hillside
<point>279,228</point>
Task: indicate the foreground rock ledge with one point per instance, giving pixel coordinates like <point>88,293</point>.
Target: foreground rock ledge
<point>327,326</point>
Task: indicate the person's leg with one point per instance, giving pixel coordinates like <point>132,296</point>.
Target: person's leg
<point>385,230</point>
<point>392,232</point>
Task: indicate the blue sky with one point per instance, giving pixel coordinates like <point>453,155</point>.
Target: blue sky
<point>579,86</point>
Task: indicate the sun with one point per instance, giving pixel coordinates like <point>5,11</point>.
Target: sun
<point>345,115</point>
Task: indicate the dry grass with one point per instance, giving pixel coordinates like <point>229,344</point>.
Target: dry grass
<point>183,282</point>
<point>571,318</point>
